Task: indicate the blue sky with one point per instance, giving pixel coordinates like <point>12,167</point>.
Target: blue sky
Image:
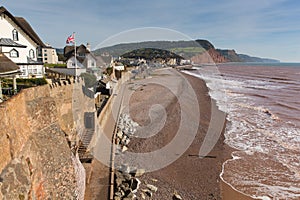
<point>265,28</point>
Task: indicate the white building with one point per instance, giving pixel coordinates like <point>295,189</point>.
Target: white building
<point>21,44</point>
<point>185,62</point>
<point>85,60</point>
<point>49,55</point>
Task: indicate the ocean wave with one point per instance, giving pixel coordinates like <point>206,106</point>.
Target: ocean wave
<point>254,129</point>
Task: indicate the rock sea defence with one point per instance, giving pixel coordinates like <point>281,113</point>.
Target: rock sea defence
<point>128,181</point>
<point>38,144</point>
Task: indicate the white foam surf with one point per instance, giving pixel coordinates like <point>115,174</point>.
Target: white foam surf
<point>260,134</point>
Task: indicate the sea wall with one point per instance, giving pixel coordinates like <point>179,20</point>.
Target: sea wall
<point>99,172</point>
<point>103,117</point>
<point>39,135</point>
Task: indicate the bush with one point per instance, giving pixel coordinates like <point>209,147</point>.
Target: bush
<point>109,71</point>
<point>32,81</point>
<point>55,65</point>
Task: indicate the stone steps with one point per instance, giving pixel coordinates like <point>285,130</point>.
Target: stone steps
<point>87,136</point>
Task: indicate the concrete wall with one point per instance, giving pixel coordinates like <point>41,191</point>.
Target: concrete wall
<point>38,139</point>
<point>111,103</point>
<point>106,123</point>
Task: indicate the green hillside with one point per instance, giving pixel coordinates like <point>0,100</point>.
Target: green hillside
<point>185,49</point>
<point>151,54</point>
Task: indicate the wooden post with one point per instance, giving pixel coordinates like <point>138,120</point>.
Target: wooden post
<point>14,85</point>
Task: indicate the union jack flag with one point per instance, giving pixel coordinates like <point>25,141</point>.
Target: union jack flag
<point>71,39</point>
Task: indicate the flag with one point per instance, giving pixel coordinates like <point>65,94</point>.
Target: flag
<point>71,39</point>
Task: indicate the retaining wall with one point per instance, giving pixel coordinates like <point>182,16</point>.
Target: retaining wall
<point>39,134</point>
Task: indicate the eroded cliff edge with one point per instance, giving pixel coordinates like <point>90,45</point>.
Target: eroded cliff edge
<point>39,138</point>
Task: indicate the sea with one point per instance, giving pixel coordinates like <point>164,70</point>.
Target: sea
<point>262,103</point>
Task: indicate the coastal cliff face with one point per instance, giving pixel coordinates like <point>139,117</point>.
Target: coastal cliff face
<point>212,55</point>
<point>38,142</point>
<point>230,55</point>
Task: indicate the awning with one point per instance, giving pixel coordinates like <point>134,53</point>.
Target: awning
<point>7,42</point>
<point>8,67</point>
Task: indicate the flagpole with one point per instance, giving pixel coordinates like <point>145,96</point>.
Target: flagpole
<point>75,53</point>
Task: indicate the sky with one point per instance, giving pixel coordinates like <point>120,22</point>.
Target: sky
<point>263,28</point>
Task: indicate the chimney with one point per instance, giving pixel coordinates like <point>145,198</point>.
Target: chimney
<point>88,46</point>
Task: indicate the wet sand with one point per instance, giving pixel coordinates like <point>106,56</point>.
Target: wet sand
<point>228,193</point>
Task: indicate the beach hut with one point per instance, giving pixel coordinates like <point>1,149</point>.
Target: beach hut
<point>8,69</point>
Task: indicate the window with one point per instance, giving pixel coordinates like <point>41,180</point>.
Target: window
<point>23,71</point>
<point>31,53</point>
<point>15,35</point>
<point>45,54</point>
<point>34,71</point>
<point>14,53</point>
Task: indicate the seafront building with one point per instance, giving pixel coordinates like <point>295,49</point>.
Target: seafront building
<point>84,61</point>
<point>22,45</point>
<point>49,55</point>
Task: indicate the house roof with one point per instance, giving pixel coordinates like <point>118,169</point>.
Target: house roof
<point>103,60</point>
<point>7,42</point>
<point>81,59</point>
<point>7,67</point>
<point>119,64</point>
<point>81,51</point>
<point>65,71</point>
<point>70,50</point>
<point>24,25</point>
